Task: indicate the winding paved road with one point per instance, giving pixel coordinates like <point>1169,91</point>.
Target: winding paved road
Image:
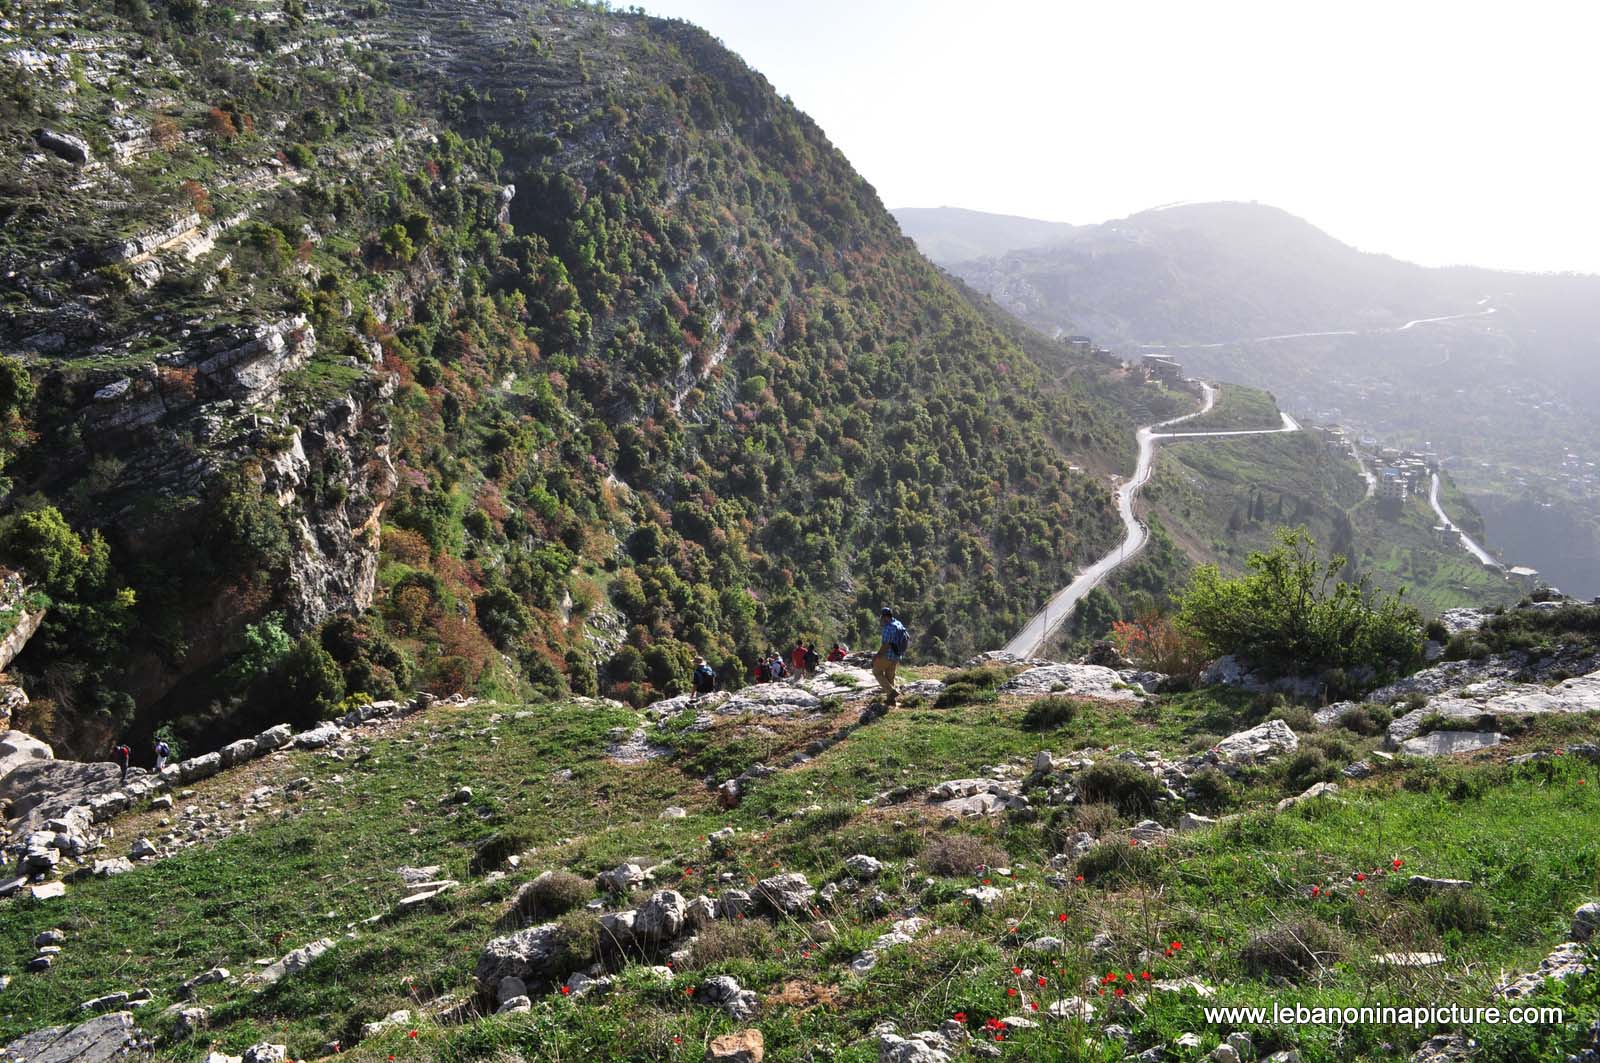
<point>1473,548</point>
<point>1044,623</point>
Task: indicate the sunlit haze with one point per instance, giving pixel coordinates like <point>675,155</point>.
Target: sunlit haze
<point>1441,133</point>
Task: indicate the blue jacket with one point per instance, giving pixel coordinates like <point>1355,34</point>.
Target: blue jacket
<point>891,636</point>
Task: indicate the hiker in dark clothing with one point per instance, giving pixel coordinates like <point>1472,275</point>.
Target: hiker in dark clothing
<point>121,756</point>
<point>705,679</point>
<point>813,660</point>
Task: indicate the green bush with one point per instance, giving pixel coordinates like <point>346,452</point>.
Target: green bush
<point>1128,787</point>
<point>1366,720</point>
<point>1115,860</point>
<point>1298,717</point>
<point>1213,789</point>
<point>970,685</point>
<point>553,893</point>
<point>1049,714</point>
<point>45,546</point>
<point>307,684</point>
<point>1291,614</point>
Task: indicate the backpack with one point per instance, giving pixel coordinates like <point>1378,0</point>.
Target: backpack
<point>161,749</point>
<point>705,677</point>
<point>899,638</point>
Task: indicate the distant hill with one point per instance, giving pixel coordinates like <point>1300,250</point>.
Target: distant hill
<point>951,234</point>
<point>1495,371</point>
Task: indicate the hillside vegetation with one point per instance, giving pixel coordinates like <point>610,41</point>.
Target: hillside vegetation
<point>539,347</point>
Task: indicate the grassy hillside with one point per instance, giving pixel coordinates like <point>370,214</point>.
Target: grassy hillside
<point>322,861</point>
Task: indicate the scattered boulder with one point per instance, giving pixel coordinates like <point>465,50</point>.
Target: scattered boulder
<point>531,954</point>
<point>296,961</point>
<point>620,879</point>
<point>788,894</point>
<point>1585,921</point>
<point>388,1022</point>
<point>266,1052</point>
<point>1260,743</point>
<point>892,1048</point>
<point>743,1046</point>
<point>863,867</point>
<point>64,145</point>
<point>725,993</point>
<point>1424,884</point>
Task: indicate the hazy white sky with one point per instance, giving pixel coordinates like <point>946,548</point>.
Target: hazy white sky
<point>1460,132</point>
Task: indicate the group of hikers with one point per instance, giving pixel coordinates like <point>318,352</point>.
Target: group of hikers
<point>122,756</point>
<point>803,661</point>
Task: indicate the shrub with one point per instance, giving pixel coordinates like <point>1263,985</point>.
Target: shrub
<point>1116,860</point>
<point>1154,641</point>
<point>1049,714</point>
<point>1298,717</point>
<point>307,682</point>
<point>1461,910</point>
<point>1291,950</point>
<point>44,544</point>
<point>1366,720</point>
<point>1213,788</point>
<point>970,685</point>
<point>961,854</point>
<point>1128,787</point>
<point>1290,612</point>
<point>1308,766</point>
<point>725,940</point>
<point>1436,631</point>
<point>553,893</point>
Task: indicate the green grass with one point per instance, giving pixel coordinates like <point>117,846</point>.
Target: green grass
<point>1237,407</point>
<point>1522,835</point>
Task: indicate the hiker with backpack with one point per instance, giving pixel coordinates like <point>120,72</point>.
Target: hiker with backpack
<point>163,751</point>
<point>813,661</point>
<point>705,679</point>
<point>121,756</point>
<point>892,646</point>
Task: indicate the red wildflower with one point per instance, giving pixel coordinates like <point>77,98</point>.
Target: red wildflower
<point>1145,975</point>
<point>1119,992</point>
<point>1078,879</point>
<point>1361,876</point>
<point>1133,842</point>
<point>1398,863</point>
<point>1034,1004</point>
<point>412,1034</point>
<point>1316,891</point>
<point>565,990</point>
<point>1176,946</point>
<point>689,992</point>
<point>960,1016</point>
<point>1361,892</point>
<point>1016,970</point>
<point>1042,980</point>
<point>985,882</point>
<point>1128,977</point>
<point>1061,917</point>
<point>1011,992</point>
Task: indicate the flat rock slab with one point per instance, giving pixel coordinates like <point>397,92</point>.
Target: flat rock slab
<point>1271,739</point>
<point>1411,959</point>
<point>1448,743</point>
<point>1071,680</point>
<point>102,1038</point>
<point>1578,695</point>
